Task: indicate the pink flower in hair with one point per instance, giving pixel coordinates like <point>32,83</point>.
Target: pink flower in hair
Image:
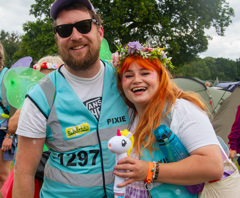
<point>115,59</point>
<point>147,49</point>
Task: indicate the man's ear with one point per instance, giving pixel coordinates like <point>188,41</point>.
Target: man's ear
<point>101,32</point>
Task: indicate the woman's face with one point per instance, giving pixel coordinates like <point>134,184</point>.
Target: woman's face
<point>139,85</point>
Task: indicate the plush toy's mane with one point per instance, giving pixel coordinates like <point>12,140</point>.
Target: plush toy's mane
<point>125,133</point>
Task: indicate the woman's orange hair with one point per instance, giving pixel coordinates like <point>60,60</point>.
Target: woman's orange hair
<point>160,104</point>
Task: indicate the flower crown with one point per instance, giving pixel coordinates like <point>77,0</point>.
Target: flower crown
<point>46,65</point>
<point>141,50</point>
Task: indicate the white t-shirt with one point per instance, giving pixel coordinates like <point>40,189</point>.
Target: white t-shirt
<point>191,125</point>
<point>86,90</point>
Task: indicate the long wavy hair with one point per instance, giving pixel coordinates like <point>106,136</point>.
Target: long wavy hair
<point>159,105</point>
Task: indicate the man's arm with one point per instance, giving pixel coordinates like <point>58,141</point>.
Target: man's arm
<point>29,153</point>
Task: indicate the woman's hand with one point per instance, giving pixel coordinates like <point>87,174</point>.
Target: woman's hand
<point>232,153</point>
<point>136,170</point>
<point>7,144</point>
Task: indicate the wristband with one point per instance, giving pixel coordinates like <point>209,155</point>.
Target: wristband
<point>150,172</point>
<point>8,136</point>
<point>156,172</point>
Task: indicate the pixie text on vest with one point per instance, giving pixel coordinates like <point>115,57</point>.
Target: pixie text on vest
<point>116,120</point>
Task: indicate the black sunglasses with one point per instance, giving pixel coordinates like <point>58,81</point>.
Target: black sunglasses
<point>83,27</point>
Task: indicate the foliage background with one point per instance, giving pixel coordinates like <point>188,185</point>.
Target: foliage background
<point>178,25</point>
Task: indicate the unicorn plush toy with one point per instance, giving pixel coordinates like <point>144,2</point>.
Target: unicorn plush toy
<point>121,144</point>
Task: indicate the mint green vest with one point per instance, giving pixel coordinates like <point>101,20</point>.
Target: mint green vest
<point>2,73</point>
<point>74,168</point>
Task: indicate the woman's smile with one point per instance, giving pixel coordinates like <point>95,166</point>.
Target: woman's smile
<point>139,85</point>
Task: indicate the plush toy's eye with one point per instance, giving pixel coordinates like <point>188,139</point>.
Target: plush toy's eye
<point>124,143</point>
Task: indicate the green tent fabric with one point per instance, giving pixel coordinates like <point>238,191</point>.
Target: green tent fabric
<point>220,102</point>
<point>213,97</point>
<point>225,116</point>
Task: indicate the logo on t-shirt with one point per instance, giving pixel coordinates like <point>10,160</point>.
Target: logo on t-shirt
<point>94,106</point>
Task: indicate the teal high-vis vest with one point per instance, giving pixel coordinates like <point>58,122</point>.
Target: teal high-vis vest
<point>74,167</point>
<point>2,73</point>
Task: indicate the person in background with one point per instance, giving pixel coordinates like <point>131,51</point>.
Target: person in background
<point>45,65</point>
<point>207,84</point>
<point>234,137</point>
<point>74,111</point>
<point>144,82</point>
<point>6,139</point>
<point>48,64</point>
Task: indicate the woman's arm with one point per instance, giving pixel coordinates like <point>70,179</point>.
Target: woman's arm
<point>204,164</point>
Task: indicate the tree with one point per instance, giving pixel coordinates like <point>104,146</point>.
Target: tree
<point>38,40</point>
<point>210,68</point>
<point>195,69</point>
<point>176,24</point>
<point>11,44</point>
<point>238,69</point>
<point>227,67</point>
<point>210,62</point>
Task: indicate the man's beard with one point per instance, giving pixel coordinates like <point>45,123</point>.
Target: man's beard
<point>83,64</point>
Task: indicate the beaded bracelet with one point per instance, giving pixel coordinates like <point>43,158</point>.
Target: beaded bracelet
<point>155,176</point>
<point>150,172</point>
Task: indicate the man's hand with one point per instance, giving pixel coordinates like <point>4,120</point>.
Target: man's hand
<point>7,144</point>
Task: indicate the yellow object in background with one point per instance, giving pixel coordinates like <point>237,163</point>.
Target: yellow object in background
<point>5,115</point>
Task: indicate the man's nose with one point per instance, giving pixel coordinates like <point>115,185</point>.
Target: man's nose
<point>75,34</point>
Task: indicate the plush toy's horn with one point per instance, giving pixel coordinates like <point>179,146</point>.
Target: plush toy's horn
<point>118,132</point>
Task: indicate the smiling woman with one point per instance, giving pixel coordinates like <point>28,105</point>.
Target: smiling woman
<point>145,83</point>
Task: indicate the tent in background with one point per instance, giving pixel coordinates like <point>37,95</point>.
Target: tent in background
<point>222,102</point>
<point>212,97</point>
<point>228,85</point>
<point>225,116</point>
